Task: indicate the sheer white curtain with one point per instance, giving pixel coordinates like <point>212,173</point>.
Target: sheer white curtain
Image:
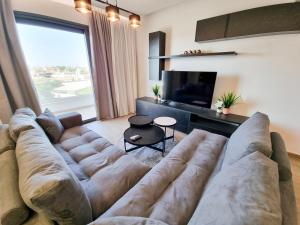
<point>124,54</point>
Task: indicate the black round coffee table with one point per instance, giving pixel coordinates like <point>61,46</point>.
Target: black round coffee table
<point>140,121</point>
<point>150,135</point>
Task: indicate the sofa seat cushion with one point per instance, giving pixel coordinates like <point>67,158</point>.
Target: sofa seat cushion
<point>6,143</point>
<point>104,170</point>
<point>126,220</point>
<point>22,120</point>
<point>245,193</point>
<point>47,184</point>
<point>253,135</point>
<point>171,190</point>
<point>13,210</point>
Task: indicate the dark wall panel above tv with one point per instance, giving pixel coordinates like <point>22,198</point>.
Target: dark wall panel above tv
<point>212,28</point>
<point>274,19</point>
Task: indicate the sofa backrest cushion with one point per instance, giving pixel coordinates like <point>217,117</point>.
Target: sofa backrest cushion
<point>47,184</point>
<point>127,220</point>
<point>51,125</point>
<point>22,120</point>
<point>26,111</point>
<point>6,143</point>
<point>253,135</point>
<point>247,192</point>
<point>280,156</point>
<point>13,210</point>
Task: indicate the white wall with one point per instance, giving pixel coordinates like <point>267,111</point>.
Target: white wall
<point>266,72</point>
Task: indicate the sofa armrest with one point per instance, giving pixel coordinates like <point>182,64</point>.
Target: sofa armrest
<point>280,156</point>
<point>70,120</point>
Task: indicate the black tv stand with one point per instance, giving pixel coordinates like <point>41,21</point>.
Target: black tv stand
<point>190,117</point>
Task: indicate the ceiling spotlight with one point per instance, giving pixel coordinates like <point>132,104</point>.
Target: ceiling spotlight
<point>83,6</point>
<point>134,20</point>
<point>112,13</point>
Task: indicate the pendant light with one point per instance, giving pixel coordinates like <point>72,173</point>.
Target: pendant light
<point>83,6</point>
<point>134,20</point>
<point>112,12</point>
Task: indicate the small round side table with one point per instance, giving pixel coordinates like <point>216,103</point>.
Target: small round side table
<point>166,122</point>
<point>140,121</point>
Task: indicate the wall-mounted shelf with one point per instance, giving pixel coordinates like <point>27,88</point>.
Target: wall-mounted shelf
<point>198,55</point>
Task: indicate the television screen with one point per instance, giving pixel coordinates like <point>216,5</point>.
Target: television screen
<point>195,88</point>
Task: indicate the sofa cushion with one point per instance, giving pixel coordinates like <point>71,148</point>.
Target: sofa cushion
<point>253,135</point>
<point>6,143</point>
<point>103,191</point>
<point>13,210</point>
<point>51,125</point>
<point>171,190</point>
<point>26,111</point>
<point>95,161</point>
<point>47,184</point>
<point>245,193</point>
<point>126,220</point>
<point>22,120</point>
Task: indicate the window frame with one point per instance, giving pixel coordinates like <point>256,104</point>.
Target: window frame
<point>56,23</point>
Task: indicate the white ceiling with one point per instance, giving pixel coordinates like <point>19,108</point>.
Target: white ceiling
<point>142,7</point>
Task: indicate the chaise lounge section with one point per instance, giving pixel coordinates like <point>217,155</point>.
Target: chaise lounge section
<point>209,179</point>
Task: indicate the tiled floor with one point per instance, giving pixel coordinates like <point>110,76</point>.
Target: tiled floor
<point>113,131</point>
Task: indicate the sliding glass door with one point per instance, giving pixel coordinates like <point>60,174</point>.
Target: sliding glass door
<point>57,55</point>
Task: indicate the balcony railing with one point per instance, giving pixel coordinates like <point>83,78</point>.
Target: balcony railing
<point>85,105</point>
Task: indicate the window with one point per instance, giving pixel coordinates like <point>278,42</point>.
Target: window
<point>57,56</point>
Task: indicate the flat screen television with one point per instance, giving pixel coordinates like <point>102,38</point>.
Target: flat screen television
<point>195,88</point>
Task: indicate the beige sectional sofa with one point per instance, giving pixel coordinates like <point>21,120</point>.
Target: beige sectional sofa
<point>83,179</point>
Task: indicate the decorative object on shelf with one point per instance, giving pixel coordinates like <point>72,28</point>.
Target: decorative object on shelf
<point>229,99</point>
<point>192,52</point>
<point>112,11</point>
<point>219,106</point>
<point>156,90</point>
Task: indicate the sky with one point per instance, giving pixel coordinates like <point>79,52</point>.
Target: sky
<point>44,46</point>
